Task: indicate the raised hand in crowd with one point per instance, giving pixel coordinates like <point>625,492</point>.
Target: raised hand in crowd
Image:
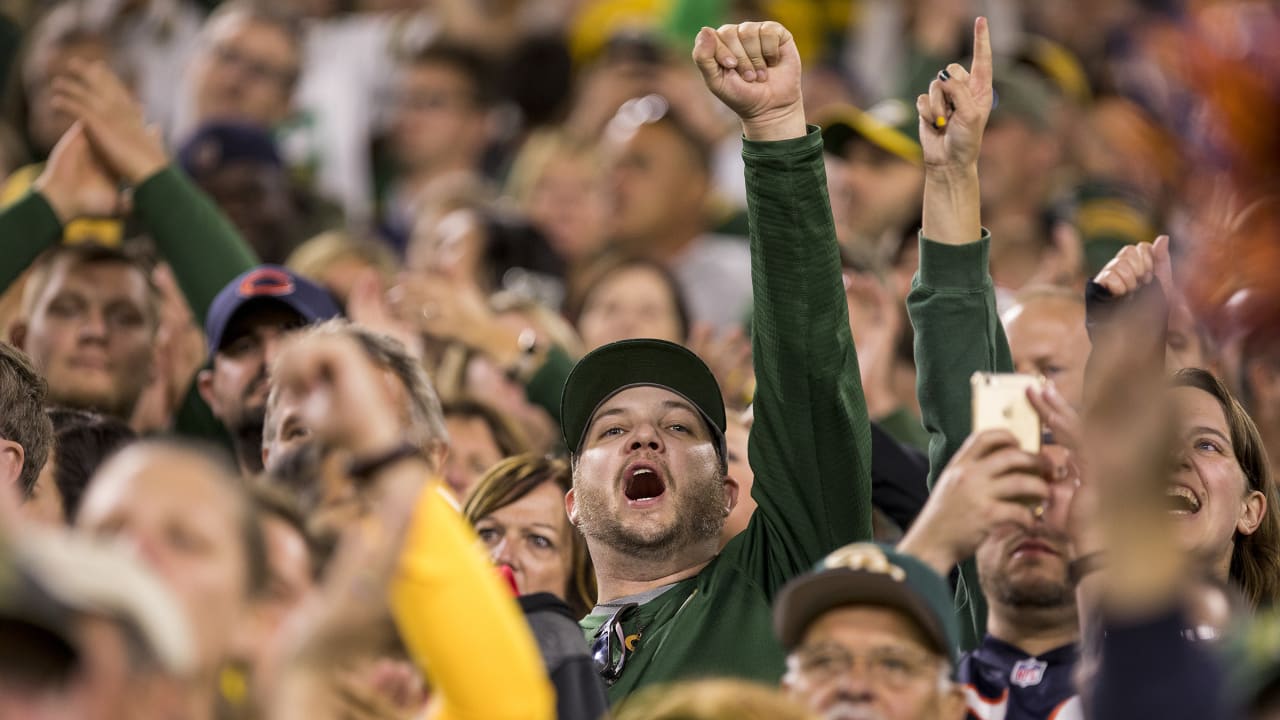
<point>953,117</point>
<point>179,354</point>
<point>112,119</point>
<point>350,407</point>
<point>989,483</point>
<point>754,68</point>
<point>728,354</point>
<point>1136,266</point>
<point>75,183</point>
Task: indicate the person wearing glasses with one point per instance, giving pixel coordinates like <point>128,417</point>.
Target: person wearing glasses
<point>644,421</point>
<point>871,632</point>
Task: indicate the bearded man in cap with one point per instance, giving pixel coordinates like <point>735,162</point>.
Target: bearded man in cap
<point>644,420</point>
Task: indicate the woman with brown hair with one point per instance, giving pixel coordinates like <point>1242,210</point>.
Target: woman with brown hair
<point>1222,488</point>
<point>518,512</point>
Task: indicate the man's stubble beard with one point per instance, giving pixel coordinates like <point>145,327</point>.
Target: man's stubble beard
<point>699,518</point>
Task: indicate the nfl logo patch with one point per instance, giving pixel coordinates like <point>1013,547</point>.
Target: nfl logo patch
<point>1028,672</point>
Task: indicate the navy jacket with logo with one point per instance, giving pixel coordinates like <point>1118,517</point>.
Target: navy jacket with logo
<point>1002,682</point>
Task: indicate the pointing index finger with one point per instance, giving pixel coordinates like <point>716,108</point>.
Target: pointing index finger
<point>981,69</point>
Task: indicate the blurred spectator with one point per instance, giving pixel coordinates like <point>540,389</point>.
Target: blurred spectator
<point>81,442</point>
<point>660,185</point>
<point>67,31</point>
<point>26,435</point>
<point>490,249</point>
<point>243,69</point>
<point>336,261</point>
<point>156,38</point>
<point>629,298</point>
<point>89,321</point>
<point>1047,337</point>
<point>187,511</point>
<point>479,436</point>
<point>239,166</point>
<point>558,181</point>
<point>440,127</point>
<point>877,180</point>
<point>133,645</point>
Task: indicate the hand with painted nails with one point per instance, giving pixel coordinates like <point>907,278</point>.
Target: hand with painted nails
<point>953,114</point>
<point>754,68</point>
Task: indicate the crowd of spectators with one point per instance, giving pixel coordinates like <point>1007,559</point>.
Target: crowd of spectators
<point>589,359</point>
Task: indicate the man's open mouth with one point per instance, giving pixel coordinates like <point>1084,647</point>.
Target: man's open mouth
<point>643,482</point>
<point>1182,500</point>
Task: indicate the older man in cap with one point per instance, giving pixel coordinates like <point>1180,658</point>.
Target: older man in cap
<point>870,633</point>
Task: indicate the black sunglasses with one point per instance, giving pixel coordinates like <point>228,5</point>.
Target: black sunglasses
<point>610,636</point>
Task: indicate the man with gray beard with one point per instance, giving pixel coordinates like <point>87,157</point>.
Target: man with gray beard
<point>644,421</point>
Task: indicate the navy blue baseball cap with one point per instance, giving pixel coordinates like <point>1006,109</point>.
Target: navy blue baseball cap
<point>266,285</point>
<point>217,144</point>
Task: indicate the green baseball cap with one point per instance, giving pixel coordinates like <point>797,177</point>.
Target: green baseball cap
<point>869,574</point>
<point>612,368</point>
<point>1024,96</point>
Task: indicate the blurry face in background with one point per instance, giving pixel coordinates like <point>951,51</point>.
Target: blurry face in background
<point>1047,337</point>
<point>632,302</point>
<point>257,199</point>
<point>658,187</point>
<point>882,190</point>
<point>246,72</point>
<point>1014,156</point>
<point>472,451</point>
<point>568,203</point>
<point>437,123</point>
<point>46,124</point>
<point>91,333</point>
<point>532,536</point>
<point>184,521</point>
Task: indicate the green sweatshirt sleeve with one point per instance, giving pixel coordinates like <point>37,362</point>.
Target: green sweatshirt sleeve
<point>27,228</point>
<point>547,384</point>
<point>196,239</point>
<point>952,305</point>
<point>810,445</point>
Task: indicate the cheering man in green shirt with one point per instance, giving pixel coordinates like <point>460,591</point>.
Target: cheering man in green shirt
<point>644,420</point>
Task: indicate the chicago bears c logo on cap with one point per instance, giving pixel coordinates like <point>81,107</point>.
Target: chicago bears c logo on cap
<point>266,281</point>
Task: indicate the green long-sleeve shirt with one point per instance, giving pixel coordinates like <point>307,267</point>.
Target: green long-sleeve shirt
<point>810,446</point>
<point>952,305</point>
<point>189,231</point>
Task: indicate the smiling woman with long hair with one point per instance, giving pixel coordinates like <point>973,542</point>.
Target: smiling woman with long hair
<point>1232,513</point>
